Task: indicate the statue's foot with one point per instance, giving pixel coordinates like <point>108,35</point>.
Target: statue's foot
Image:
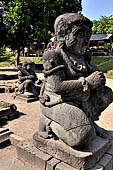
<point>103,133</point>
<point>45,135</point>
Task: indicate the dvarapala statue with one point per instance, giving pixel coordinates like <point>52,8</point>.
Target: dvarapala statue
<point>27,78</point>
<point>74,92</point>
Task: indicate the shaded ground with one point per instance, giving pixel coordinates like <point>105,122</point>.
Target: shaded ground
<point>27,124</point>
<point>24,126</point>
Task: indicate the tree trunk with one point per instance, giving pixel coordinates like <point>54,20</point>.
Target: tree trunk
<point>17,55</point>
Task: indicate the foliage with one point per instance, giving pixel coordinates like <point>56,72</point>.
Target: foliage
<point>2,27</point>
<point>30,20</point>
<point>104,25</point>
<point>7,60</point>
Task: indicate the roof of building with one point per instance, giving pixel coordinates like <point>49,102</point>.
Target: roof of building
<point>100,37</point>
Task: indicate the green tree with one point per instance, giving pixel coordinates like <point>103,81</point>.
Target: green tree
<point>33,20</point>
<point>2,27</point>
<point>104,25</point>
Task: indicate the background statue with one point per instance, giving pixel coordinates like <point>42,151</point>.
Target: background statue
<point>27,78</point>
<point>74,92</point>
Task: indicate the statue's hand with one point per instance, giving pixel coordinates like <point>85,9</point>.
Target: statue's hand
<point>96,80</point>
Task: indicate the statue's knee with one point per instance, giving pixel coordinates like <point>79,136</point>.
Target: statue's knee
<point>28,81</point>
<point>78,136</point>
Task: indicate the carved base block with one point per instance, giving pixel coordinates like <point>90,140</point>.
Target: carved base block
<point>40,160</point>
<point>25,98</point>
<point>84,158</point>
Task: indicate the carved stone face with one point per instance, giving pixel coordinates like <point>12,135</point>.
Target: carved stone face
<point>74,31</point>
<point>77,42</point>
<point>29,66</point>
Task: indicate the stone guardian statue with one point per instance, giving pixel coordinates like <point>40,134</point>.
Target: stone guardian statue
<point>27,78</point>
<point>74,93</point>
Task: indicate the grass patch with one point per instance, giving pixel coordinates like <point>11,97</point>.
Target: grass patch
<point>36,60</point>
<point>105,67</point>
<point>104,64</point>
<point>10,60</point>
<point>99,60</point>
<point>3,105</point>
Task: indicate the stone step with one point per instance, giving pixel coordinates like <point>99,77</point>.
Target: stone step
<point>25,99</point>
<point>27,152</point>
<point>84,158</point>
<point>4,134</point>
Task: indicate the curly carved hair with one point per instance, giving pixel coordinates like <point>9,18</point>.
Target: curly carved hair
<point>66,21</point>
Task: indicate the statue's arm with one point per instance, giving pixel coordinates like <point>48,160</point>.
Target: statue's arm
<point>62,86</point>
<point>21,77</point>
<point>32,77</point>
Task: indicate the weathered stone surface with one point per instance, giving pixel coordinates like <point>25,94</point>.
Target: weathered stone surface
<point>9,110</point>
<point>4,134</point>
<point>5,112</point>
<point>27,152</point>
<point>110,150</point>
<point>25,98</point>
<point>14,139</point>
<point>51,164</point>
<point>106,162</point>
<point>63,166</point>
<point>97,167</point>
<point>84,158</point>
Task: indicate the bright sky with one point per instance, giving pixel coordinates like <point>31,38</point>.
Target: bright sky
<point>94,9</point>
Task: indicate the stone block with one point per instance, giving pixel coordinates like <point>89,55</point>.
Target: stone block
<point>51,164</point>
<point>27,152</point>
<point>25,99</point>
<point>110,150</point>
<point>5,112</point>
<point>106,162</point>
<point>4,134</point>
<point>14,139</point>
<point>97,167</point>
<point>64,166</point>
<point>84,158</point>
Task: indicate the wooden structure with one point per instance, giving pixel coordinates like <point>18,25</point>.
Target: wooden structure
<point>101,40</point>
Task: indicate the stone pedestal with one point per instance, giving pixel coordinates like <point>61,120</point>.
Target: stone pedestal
<point>50,154</point>
<point>25,98</point>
